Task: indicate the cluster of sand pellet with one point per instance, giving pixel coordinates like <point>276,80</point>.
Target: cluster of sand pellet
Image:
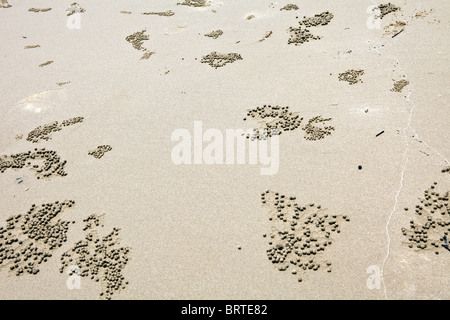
<point>100,152</point>
<point>217,60</point>
<point>289,7</point>
<point>446,170</point>
<point>32,46</point>
<point>194,3</point>
<point>431,223</point>
<point>162,14</point>
<point>100,259</point>
<point>301,34</point>
<point>385,9</point>
<point>351,76</point>
<point>399,85</point>
<point>273,120</point>
<point>74,8</point>
<point>4,4</point>
<point>214,34</point>
<point>92,221</point>
<point>63,83</point>
<point>51,164</point>
<point>39,10</point>
<point>44,132</point>
<point>299,234</point>
<point>320,19</point>
<point>314,132</point>
<point>137,40</point>
<point>29,240</point>
<point>46,63</point>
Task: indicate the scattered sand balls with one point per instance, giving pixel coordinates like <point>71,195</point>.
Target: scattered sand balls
<point>100,259</point>
<point>320,19</point>
<point>46,63</point>
<point>162,14</point>
<point>74,8</point>
<point>299,36</point>
<point>399,85</point>
<point>289,7</point>
<point>314,132</point>
<point>92,221</point>
<point>273,120</point>
<point>194,3</point>
<point>4,4</point>
<point>431,224</point>
<point>28,240</point>
<point>214,34</point>
<point>217,60</point>
<point>43,132</point>
<point>39,10</point>
<point>299,234</point>
<point>100,152</point>
<point>351,76</point>
<point>386,9</point>
<point>52,164</point>
<point>63,83</point>
<point>446,170</point>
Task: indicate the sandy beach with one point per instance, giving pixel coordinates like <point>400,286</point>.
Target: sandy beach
<point>116,177</point>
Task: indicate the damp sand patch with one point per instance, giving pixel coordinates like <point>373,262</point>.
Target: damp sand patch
<point>32,46</point>
<point>218,60</point>
<point>125,12</point>
<point>300,234</point>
